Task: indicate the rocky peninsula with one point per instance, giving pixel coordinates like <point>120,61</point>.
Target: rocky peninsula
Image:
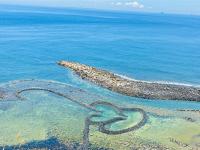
<point>135,88</point>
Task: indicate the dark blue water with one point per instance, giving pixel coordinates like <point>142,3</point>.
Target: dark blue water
<point>153,47</point>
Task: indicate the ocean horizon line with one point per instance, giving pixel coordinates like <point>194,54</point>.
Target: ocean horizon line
<point>87,9</point>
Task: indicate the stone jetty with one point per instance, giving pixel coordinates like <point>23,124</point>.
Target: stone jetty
<point>135,88</point>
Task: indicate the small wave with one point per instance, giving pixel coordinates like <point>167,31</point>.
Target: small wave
<point>160,82</point>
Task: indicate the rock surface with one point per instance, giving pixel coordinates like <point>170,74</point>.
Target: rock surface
<point>141,89</point>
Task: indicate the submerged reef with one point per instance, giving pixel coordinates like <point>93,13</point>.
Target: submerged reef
<point>124,126</point>
<point>135,88</point>
<point>51,143</point>
<point>13,90</point>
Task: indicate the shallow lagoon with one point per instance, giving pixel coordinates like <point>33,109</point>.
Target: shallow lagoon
<point>42,116</point>
<point>150,47</point>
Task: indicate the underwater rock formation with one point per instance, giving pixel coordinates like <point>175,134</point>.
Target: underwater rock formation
<point>190,110</point>
<point>51,143</point>
<point>13,90</point>
<point>141,89</point>
<point>3,94</point>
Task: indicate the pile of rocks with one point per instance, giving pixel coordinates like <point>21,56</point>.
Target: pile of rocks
<point>134,88</point>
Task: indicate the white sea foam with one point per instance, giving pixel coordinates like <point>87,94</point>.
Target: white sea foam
<point>160,82</point>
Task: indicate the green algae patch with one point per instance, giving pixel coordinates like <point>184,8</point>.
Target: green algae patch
<point>21,131</point>
<point>132,119</point>
<point>158,133</point>
<point>172,132</point>
<point>42,116</point>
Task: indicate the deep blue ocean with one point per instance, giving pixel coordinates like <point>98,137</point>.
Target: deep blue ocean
<point>143,46</point>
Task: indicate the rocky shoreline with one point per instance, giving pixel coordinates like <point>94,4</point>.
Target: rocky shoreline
<point>133,88</point>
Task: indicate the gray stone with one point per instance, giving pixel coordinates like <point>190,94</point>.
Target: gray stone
<point>141,89</point>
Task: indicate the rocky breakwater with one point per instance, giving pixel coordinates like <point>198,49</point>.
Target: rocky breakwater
<point>135,88</point>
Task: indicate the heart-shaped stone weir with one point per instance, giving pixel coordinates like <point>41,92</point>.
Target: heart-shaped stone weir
<point>109,118</point>
<point>113,120</point>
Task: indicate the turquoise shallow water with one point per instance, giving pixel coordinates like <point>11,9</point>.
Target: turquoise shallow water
<point>153,47</point>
